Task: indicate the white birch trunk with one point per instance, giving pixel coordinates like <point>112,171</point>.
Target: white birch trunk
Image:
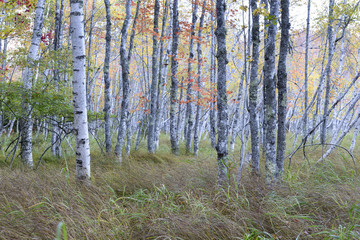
<point>79,92</point>
<point>26,121</point>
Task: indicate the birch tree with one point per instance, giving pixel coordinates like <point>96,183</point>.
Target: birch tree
<point>107,106</point>
<point>305,122</point>
<point>212,115</point>
<point>154,81</point>
<point>163,67</point>
<point>253,89</point>
<point>282,87</point>
<point>270,94</point>
<point>189,119</point>
<point>331,42</point>
<point>223,128</point>
<point>28,75</point>
<point>55,139</point>
<point>125,82</point>
<point>199,86</point>
<point>79,92</point>
<point>174,82</point>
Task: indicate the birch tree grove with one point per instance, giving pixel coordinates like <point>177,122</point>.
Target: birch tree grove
<point>79,92</point>
<point>184,91</point>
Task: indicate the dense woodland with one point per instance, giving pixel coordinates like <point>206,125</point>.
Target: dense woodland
<point>179,119</point>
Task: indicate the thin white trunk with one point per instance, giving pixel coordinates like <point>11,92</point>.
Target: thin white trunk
<point>26,121</point>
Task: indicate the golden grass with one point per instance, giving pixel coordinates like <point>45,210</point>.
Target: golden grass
<point>175,197</point>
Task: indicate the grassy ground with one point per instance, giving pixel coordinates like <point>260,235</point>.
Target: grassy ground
<point>167,197</point>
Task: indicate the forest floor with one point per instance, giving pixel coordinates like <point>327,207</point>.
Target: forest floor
<point>163,196</point>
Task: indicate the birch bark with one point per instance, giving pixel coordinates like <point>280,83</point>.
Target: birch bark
<point>28,75</point>
<point>212,115</point>
<point>270,94</point>
<point>328,71</point>
<point>163,64</point>
<point>107,106</point>
<point>223,128</point>
<point>125,61</point>
<point>253,89</point>
<point>79,92</point>
<point>199,85</point>
<point>189,92</point>
<point>56,137</point>
<point>282,88</point>
<point>305,122</point>
<point>154,82</point>
<point>174,82</point>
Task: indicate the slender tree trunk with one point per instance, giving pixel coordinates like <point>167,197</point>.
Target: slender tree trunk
<point>265,3</point>
<point>189,91</point>
<point>125,82</point>
<point>212,116</point>
<point>88,84</point>
<point>79,92</point>
<point>253,89</point>
<point>28,75</point>
<point>125,62</point>
<point>199,85</point>
<point>154,82</point>
<point>341,137</point>
<point>328,72</point>
<point>107,107</point>
<point>163,63</point>
<point>174,82</point>
<point>55,140</point>
<point>235,124</point>
<point>282,89</point>
<point>356,132</point>
<point>179,115</point>
<point>305,122</point>
<point>222,144</point>
<point>270,94</point>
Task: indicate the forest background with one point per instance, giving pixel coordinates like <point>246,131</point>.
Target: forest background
<point>243,119</point>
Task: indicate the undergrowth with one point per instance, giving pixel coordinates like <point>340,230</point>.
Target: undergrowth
<point>163,196</point>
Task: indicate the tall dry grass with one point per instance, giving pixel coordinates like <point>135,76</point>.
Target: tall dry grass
<point>175,197</point>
